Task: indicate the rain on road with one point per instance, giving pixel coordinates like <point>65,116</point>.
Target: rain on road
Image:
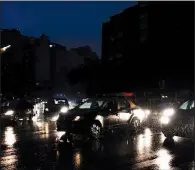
<point>33,146</point>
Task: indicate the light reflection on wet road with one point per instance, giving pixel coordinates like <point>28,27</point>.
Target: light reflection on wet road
<point>33,146</point>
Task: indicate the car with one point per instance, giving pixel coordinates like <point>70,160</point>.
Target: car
<point>97,115</point>
<point>178,121</point>
<point>53,106</point>
<point>16,110</point>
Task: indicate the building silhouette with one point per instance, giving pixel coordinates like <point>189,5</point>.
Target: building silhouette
<point>154,40</point>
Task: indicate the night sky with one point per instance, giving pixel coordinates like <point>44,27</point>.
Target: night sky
<point>71,24</point>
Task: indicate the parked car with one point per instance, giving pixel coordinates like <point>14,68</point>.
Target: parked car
<point>16,110</point>
<point>97,115</point>
<point>179,121</point>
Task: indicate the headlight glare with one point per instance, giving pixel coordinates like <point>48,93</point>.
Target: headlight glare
<point>55,118</point>
<point>9,113</point>
<point>168,112</point>
<point>140,114</point>
<point>64,109</point>
<point>147,112</point>
<point>164,120</point>
<point>77,118</point>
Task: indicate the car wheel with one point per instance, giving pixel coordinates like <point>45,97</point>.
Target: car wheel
<point>169,142</point>
<point>95,130</point>
<point>66,138</point>
<point>135,125</point>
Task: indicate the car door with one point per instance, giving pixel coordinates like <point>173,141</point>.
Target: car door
<point>124,113</point>
<point>111,115</point>
<point>184,120</point>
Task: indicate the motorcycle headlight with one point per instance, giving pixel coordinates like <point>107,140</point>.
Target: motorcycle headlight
<point>64,109</point>
<point>9,113</point>
<point>168,112</point>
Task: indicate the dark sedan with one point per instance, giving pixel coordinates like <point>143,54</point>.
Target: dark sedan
<point>53,106</point>
<point>97,115</point>
<point>180,121</point>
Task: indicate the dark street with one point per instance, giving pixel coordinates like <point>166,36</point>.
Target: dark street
<point>34,146</point>
<point>97,85</point>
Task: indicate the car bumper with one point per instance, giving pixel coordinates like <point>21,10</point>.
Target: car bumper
<point>7,119</point>
<point>74,127</point>
<point>182,131</point>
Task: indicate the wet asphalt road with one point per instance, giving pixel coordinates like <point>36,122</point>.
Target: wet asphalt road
<point>33,146</point>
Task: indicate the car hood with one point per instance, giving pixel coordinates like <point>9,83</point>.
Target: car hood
<point>82,112</point>
<point>14,109</point>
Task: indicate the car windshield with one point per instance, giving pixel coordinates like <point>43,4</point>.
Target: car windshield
<point>187,105</point>
<point>20,104</point>
<point>92,104</point>
<point>60,101</point>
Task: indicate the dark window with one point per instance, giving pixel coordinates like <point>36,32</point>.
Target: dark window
<point>112,106</point>
<point>120,35</point>
<point>123,104</point>
<point>143,35</point>
<point>144,16</point>
<point>143,4</point>
<point>118,56</point>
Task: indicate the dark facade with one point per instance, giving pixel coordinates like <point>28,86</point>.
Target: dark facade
<point>154,39</point>
<point>18,62</point>
<point>54,49</point>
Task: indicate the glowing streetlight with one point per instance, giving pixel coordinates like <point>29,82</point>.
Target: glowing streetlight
<point>4,48</point>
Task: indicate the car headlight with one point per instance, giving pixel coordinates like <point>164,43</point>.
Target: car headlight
<point>55,118</point>
<point>46,109</point>
<point>64,109</point>
<point>9,113</point>
<point>168,112</point>
<point>140,114</point>
<point>164,120</point>
<point>77,118</point>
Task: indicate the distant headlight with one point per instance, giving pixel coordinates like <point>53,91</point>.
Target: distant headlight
<point>64,109</point>
<point>46,109</point>
<point>77,118</point>
<point>55,118</point>
<point>168,112</point>
<point>164,120</point>
<point>9,113</point>
<point>147,112</point>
